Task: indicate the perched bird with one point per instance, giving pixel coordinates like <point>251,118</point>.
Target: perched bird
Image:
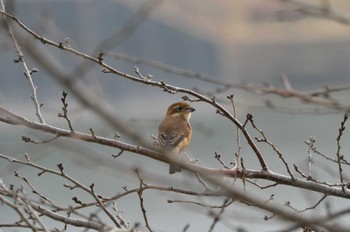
<point>175,132</point>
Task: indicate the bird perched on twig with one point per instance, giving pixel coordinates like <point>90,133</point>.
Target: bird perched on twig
<point>175,132</point>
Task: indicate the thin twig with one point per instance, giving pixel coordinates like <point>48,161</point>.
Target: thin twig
<point>274,148</point>
<point>226,203</point>
<point>310,151</point>
<point>102,205</point>
<point>29,140</point>
<point>202,182</point>
<point>238,133</point>
<point>315,205</point>
<point>27,73</point>
<point>217,156</point>
<point>34,191</point>
<point>218,215</point>
<point>139,193</point>
<point>118,215</point>
<point>65,110</point>
<point>339,156</point>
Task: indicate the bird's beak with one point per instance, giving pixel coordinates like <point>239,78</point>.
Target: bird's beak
<point>190,109</point>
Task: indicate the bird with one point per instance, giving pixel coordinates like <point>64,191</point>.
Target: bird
<point>175,132</point>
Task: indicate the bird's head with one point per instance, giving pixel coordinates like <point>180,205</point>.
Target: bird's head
<point>180,109</point>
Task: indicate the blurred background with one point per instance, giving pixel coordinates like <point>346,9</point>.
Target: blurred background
<point>228,41</point>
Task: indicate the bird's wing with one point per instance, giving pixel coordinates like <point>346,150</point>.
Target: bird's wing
<point>170,139</point>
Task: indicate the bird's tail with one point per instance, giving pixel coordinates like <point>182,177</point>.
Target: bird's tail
<point>173,168</point>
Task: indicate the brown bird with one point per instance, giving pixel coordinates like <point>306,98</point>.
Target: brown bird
<point>175,132</point>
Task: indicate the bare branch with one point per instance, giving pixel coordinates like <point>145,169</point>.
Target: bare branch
<point>238,137</point>
<point>65,110</point>
<point>100,203</point>
<point>323,10</point>
<point>139,193</point>
<point>327,157</point>
<point>310,151</point>
<point>218,215</point>
<point>340,157</point>
<point>31,211</point>
<point>27,73</point>
<point>314,206</point>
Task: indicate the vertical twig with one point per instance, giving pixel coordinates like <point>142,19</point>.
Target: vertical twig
<point>139,193</point>
<point>238,139</point>
<point>310,151</point>
<point>265,140</point>
<point>340,157</point>
<point>118,215</point>
<point>27,73</point>
<point>65,110</point>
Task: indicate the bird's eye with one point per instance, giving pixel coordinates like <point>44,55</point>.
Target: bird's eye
<point>179,108</point>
